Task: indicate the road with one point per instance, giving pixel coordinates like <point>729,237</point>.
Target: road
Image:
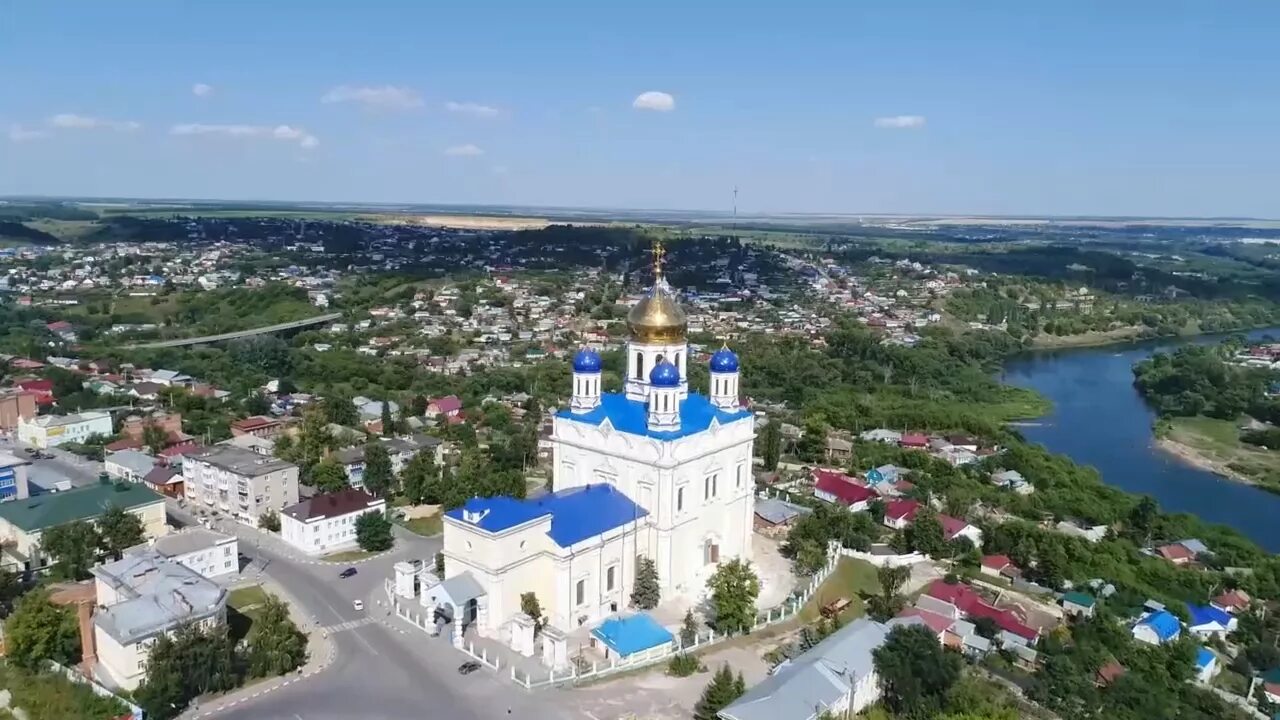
<point>45,472</point>
<point>317,320</point>
<point>380,670</point>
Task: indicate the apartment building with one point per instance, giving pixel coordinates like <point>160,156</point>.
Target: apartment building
<point>239,482</point>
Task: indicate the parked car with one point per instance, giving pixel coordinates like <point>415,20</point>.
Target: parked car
<point>358,604</point>
<point>347,573</point>
<point>468,667</point>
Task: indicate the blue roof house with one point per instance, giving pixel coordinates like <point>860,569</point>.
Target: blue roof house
<point>1207,665</point>
<point>1157,628</point>
<point>1207,621</point>
<point>635,637</point>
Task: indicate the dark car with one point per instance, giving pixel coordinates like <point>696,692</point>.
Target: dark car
<point>29,451</point>
<point>347,573</point>
<point>467,668</point>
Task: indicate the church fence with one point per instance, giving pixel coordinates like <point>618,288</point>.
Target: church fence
<point>422,622</point>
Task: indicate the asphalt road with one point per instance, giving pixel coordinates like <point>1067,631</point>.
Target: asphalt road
<point>379,673</point>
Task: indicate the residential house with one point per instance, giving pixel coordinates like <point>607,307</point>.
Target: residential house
<point>882,435</point>
<point>1012,480</point>
<point>839,448</point>
<point>913,441</point>
<point>141,597</point>
<point>239,482</point>
<point>1233,601</point>
<point>259,426</point>
<point>129,465</point>
<point>1014,629</point>
<point>448,407</point>
<point>999,566</point>
<point>1157,628</point>
<point>41,389</point>
<point>1207,621</point>
<point>327,522</point>
<point>164,480</point>
<point>1183,552</point>
<point>774,517</point>
<point>1078,604</point>
<point>898,514</point>
<point>1207,665</point>
<point>836,487</point>
<point>170,378</point>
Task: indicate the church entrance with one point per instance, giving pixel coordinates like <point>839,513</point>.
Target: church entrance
<point>710,553</point>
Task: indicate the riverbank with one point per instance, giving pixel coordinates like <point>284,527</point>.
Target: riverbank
<point>1125,336</point>
<point>1215,446</point>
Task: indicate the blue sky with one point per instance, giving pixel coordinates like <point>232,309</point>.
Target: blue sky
<point>1072,107</point>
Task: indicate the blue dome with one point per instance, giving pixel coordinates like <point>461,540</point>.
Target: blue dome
<point>664,374</point>
<point>724,361</point>
<point>586,361</point>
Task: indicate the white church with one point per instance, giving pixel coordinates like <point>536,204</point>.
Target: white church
<point>657,471</point>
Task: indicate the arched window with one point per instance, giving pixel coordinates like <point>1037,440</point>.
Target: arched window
<point>678,361</point>
<point>639,366</point>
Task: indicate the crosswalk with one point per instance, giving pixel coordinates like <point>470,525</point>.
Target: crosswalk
<point>349,625</point>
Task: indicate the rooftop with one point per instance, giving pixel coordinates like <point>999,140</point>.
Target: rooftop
<point>46,510</point>
<point>576,514</point>
<point>630,416</point>
<point>327,505</point>
<point>48,421</point>
<point>189,540</point>
<point>155,594</point>
<point>241,461</point>
<point>632,634</point>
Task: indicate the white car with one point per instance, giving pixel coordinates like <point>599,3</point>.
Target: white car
<point>358,604</point>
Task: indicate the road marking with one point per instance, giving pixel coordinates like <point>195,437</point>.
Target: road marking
<point>348,625</point>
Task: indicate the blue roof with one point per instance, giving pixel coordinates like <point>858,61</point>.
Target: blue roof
<point>633,634</point>
<point>1164,623</point>
<point>630,416</point>
<point>664,374</point>
<point>1203,658</point>
<point>1207,615</point>
<point>576,513</point>
<point>724,361</point>
<point>586,360</point>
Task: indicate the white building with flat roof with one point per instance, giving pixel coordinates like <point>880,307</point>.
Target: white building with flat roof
<point>46,431</point>
<point>209,553</point>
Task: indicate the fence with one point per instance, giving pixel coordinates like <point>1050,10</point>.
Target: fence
<point>884,560</point>
<point>423,622</point>
<point>97,689</point>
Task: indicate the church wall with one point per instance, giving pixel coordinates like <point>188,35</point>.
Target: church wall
<point>506,565</point>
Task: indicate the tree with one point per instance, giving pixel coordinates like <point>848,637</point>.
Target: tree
<point>119,530</point>
<point>373,532</point>
<point>388,423</point>
<point>339,409</point>
<point>378,477</point>
<point>154,437</point>
<point>255,403</point>
<point>328,476</point>
<point>11,587</point>
<point>275,644</point>
<point>419,480</point>
<point>38,631</point>
<point>771,442</point>
<point>645,594</point>
<point>915,671</point>
<point>440,565</point>
<point>925,535</point>
<point>184,665</point>
<point>688,630</point>
<point>734,589</point>
<point>530,606</point>
<point>888,602</point>
<point>74,547</point>
<point>269,521</point>
<point>719,694</point>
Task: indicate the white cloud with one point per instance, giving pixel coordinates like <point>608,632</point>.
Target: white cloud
<point>654,100</point>
<point>467,150</point>
<point>201,90</point>
<point>900,121</point>
<point>84,122</point>
<point>18,134</point>
<point>470,108</point>
<point>279,132</point>
<point>387,97</point>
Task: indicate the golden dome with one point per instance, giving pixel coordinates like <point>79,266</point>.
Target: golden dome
<point>657,318</point>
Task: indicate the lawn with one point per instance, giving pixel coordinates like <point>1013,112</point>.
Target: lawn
<point>348,556</point>
<point>425,526</point>
<point>1218,443</point>
<point>850,579</point>
<point>243,606</point>
<point>247,597</point>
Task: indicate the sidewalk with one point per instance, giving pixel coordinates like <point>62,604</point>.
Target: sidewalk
<point>320,654</point>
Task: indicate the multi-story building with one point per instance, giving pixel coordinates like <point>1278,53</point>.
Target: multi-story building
<point>13,477</point>
<point>15,405</point>
<point>327,522</point>
<point>142,597</point>
<point>209,553</point>
<point>49,431</point>
<point>239,482</point>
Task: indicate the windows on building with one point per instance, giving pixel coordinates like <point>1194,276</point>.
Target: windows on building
<point>580,592</point>
<point>680,499</point>
<point>610,577</point>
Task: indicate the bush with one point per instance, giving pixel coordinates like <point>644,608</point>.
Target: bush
<point>684,665</point>
<point>269,521</point>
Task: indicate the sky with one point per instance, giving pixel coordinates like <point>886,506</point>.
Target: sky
<point>1063,107</point>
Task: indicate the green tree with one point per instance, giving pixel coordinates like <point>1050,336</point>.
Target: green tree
<point>340,410</point>
<point>275,645</point>
<point>388,422</point>
<point>154,437</point>
<point>373,532</point>
<point>688,629</point>
<point>11,587</point>
<point>771,440</point>
<point>440,565</point>
<point>74,547</point>
<point>184,665</point>
<point>119,530</point>
<point>38,631</point>
<point>915,671</point>
<point>420,478</point>
<point>269,521</point>
<point>530,606</point>
<point>378,477</point>
<point>734,589</point>
<point>925,535</point>
<point>328,476</point>
<point>719,694</point>
<point>812,445</point>
<point>888,602</point>
<point>646,593</point>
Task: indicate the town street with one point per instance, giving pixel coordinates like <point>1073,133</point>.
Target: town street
<point>382,668</point>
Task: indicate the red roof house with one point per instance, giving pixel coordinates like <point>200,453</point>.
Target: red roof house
<point>43,390</point>
<point>974,606</point>
<point>836,487</point>
<point>899,513</point>
<point>1000,566</point>
<point>1176,553</point>
<point>448,406</point>
<point>913,440</point>
<point>1232,601</point>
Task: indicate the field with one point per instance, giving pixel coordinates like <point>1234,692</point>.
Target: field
<point>1215,445</point>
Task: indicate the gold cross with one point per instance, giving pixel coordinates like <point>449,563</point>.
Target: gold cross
<point>658,253</point>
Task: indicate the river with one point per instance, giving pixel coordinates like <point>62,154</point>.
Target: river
<point>1099,419</point>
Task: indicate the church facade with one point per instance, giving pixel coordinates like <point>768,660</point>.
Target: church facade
<point>657,471</point>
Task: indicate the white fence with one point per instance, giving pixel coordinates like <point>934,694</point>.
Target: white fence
<point>884,560</point>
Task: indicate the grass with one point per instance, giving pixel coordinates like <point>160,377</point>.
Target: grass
<point>851,579</point>
<point>247,597</point>
<point>348,556</point>
<point>1217,444</point>
<point>1231,681</point>
<point>243,606</point>
<point>425,526</point>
